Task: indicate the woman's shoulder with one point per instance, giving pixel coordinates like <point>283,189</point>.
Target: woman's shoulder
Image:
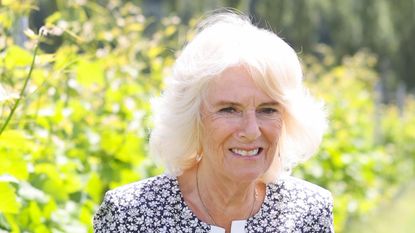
<point>128,195</point>
<point>290,189</point>
<point>140,206</point>
<point>299,206</point>
<point>290,183</point>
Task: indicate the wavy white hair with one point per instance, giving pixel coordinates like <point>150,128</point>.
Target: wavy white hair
<point>225,40</point>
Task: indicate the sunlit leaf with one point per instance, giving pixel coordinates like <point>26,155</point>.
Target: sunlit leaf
<point>12,147</point>
<point>94,187</point>
<point>90,73</point>
<point>8,199</point>
<point>170,30</point>
<point>154,51</point>
<point>16,56</point>
<point>35,213</point>
<point>4,225</point>
<point>49,208</point>
<point>134,27</point>
<point>53,18</point>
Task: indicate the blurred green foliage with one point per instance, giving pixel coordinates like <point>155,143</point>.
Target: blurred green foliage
<point>82,124</point>
<point>395,216</point>
<point>367,153</point>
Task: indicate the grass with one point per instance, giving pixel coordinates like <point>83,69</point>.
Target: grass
<point>398,216</point>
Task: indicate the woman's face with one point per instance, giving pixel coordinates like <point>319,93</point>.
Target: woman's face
<point>241,127</point>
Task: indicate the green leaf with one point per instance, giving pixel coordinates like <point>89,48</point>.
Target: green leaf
<point>49,208</point>
<point>90,73</point>
<point>3,223</point>
<point>16,56</point>
<point>54,184</point>
<point>35,213</point>
<point>94,187</point>
<point>53,18</point>
<point>8,199</point>
<point>13,147</point>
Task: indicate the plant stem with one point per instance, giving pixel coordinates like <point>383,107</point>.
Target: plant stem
<point>16,104</point>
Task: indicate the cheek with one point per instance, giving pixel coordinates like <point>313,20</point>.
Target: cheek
<point>218,127</point>
<point>273,132</point>
<point>215,139</point>
<point>216,133</point>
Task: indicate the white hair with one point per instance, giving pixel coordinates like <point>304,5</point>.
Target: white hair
<point>226,40</point>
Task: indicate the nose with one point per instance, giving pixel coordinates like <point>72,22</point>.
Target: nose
<point>249,130</point>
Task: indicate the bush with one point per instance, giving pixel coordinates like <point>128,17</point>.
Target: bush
<point>82,125</point>
<point>366,154</point>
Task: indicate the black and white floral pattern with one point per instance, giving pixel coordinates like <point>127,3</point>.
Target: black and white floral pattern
<point>157,205</point>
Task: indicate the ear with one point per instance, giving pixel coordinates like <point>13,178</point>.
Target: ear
<point>200,150</point>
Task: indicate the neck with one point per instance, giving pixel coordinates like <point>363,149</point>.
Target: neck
<point>224,201</point>
<point>224,191</point>
<point>227,200</point>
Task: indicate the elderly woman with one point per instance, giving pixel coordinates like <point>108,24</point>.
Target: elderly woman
<point>233,120</point>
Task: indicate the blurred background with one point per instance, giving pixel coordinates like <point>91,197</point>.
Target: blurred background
<point>75,111</point>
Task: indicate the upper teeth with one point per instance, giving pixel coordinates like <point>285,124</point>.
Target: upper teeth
<point>246,152</point>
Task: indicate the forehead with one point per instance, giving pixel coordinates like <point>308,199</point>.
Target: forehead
<point>237,85</point>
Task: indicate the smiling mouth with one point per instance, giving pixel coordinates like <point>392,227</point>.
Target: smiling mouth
<point>242,152</point>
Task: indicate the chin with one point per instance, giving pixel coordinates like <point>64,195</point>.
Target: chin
<point>247,176</point>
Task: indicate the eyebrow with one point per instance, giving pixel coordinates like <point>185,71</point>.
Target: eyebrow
<point>225,102</point>
<point>272,103</point>
<point>231,103</point>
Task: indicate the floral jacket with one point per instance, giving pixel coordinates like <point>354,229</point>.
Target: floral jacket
<point>157,205</point>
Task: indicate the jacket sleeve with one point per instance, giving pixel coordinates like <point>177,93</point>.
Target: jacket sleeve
<point>319,217</point>
<point>106,219</point>
<point>326,220</point>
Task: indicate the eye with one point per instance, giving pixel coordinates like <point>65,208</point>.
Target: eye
<point>268,113</point>
<point>228,110</point>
